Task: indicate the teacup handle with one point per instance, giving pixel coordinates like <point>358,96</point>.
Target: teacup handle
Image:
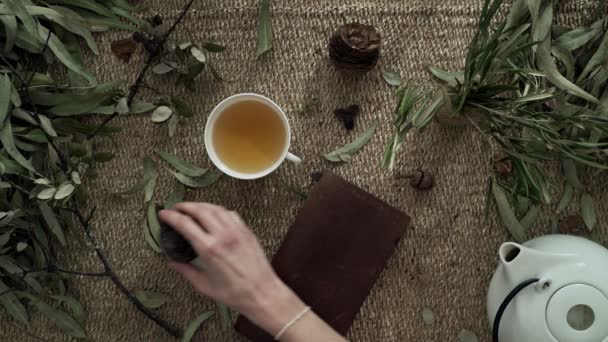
<point>293,158</point>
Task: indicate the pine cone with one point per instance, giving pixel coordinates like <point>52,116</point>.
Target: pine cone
<point>355,47</point>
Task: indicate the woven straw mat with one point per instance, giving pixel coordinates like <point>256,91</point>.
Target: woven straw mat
<point>447,258</point>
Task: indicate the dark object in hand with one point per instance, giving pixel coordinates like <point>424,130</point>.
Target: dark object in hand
<point>348,115</point>
<point>421,180</point>
<point>355,47</point>
<point>174,245</point>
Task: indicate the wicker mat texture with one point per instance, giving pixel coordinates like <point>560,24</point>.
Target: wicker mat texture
<point>446,260</point>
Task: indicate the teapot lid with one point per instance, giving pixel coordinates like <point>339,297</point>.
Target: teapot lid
<point>578,312</point>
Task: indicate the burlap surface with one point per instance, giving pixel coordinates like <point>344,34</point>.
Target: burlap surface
<point>449,255</point>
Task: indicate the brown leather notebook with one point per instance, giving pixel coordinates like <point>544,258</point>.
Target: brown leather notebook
<point>335,251</point>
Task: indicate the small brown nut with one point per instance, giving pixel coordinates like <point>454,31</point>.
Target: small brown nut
<point>421,180</point>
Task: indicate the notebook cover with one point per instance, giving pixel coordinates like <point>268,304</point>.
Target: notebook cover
<point>334,252</point>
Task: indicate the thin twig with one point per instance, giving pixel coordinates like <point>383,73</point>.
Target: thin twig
<point>112,275</point>
<point>140,78</point>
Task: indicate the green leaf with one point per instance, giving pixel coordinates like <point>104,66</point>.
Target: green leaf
<point>452,79</point>
<point>264,40</point>
<point>180,165</point>
<point>588,211</point>
<point>566,198</point>
<point>528,220</point>
<point>212,47</point>
<point>392,78</point>
<point>571,173</point>
<point>599,57</point>
<point>176,196</point>
<point>138,107</point>
<point>69,325</point>
<point>566,58</point>
<point>161,114</point>
<point>346,152</point>
<point>65,190</point>
<point>150,240</point>
<point>152,300</point>
<point>172,125</point>
<point>195,325</point>
<point>205,180</point>
<point>10,30</point>
<point>46,125</point>
<point>18,8</point>
<point>467,336</point>
<point>547,65</point>
<point>150,174</point>
<point>153,227</point>
<point>198,54</point>
<point>73,305</point>
<point>181,108</point>
<point>89,5</point>
<point>12,305</point>
<point>163,68</point>
<point>122,107</point>
<point>51,221</point>
<point>507,215</point>
<point>542,27</point>
<point>64,55</point>
<point>103,157</point>
<point>576,38</point>
<point>428,317</point>
<point>420,121</point>
<point>6,137</point>
<point>224,315</point>
<point>5,95</point>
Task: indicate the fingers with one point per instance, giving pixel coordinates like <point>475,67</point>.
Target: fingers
<point>186,227</point>
<point>194,276</point>
<point>207,215</point>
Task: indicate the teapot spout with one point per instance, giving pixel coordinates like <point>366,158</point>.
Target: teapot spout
<point>509,252</point>
<point>525,261</point>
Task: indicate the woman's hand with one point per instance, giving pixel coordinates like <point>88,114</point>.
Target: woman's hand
<point>237,271</point>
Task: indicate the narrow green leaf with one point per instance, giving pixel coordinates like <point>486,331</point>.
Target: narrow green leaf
<point>150,174</point>
<point>547,65</point>
<point>452,79</point>
<point>264,42</point>
<point>566,57</point>
<point>392,77</point>
<point>65,190</point>
<point>566,198</point>
<point>69,325</point>
<point>46,125</point>
<point>73,305</point>
<point>528,220</point>
<point>571,173</point>
<point>6,137</point>
<point>12,305</point>
<point>138,107</point>
<point>176,196</point>
<point>162,68</point>
<point>10,30</point>
<point>209,178</point>
<point>89,5</point>
<point>195,325</point>
<point>507,215</point>
<point>576,38</point>
<point>64,55</point>
<point>6,89</point>
<point>152,300</point>
<point>51,221</point>
<point>150,240</point>
<point>153,227</point>
<point>212,47</point>
<point>181,108</point>
<point>18,8</point>
<point>542,26</point>
<point>345,152</point>
<point>224,315</point>
<point>599,57</point>
<point>588,211</point>
<point>180,165</point>
<point>103,157</point>
<point>424,117</point>
<point>161,114</point>
<point>172,124</point>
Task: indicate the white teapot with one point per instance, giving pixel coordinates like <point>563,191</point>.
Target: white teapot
<point>550,289</point>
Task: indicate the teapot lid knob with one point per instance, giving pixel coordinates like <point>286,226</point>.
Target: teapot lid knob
<point>578,312</point>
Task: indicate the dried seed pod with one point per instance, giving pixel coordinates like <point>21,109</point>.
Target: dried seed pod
<point>174,245</point>
<point>503,166</point>
<point>315,177</point>
<point>421,180</point>
<point>572,225</point>
<point>355,47</point>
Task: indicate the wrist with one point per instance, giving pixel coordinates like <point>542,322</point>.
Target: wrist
<point>274,306</point>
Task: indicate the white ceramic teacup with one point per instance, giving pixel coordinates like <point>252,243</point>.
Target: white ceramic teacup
<point>219,110</point>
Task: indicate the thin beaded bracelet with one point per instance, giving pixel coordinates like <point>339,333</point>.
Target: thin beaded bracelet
<point>290,323</point>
